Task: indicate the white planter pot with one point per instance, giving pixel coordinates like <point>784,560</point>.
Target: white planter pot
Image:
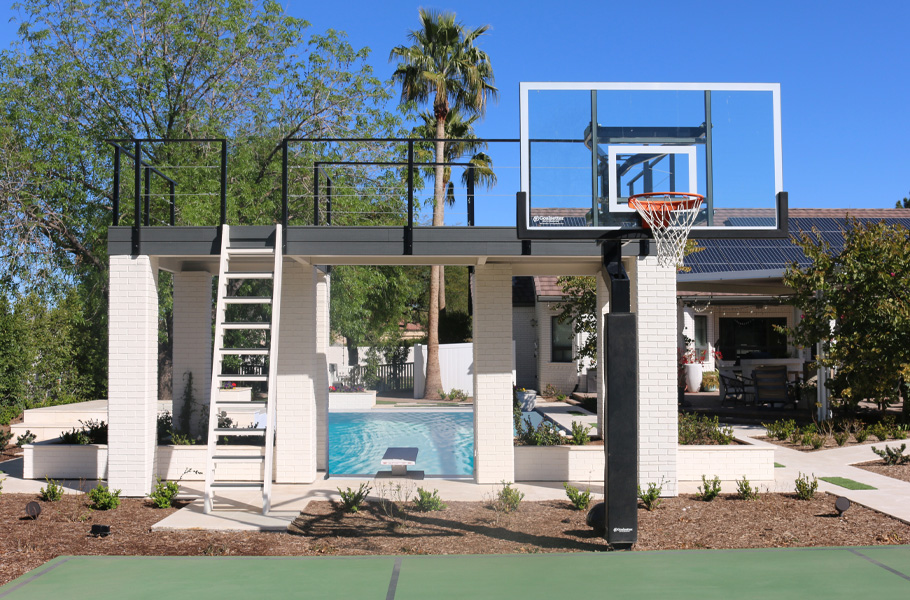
<point>694,372</point>
<point>527,400</point>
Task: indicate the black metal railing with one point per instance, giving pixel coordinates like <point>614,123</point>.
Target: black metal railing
<point>386,378</point>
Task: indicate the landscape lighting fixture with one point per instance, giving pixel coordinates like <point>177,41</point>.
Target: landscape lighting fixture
<point>841,505</point>
<point>100,530</point>
<point>33,509</point>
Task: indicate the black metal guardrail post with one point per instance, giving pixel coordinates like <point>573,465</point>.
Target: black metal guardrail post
<point>173,195</point>
<point>137,193</point>
<point>471,196</point>
<point>147,192</point>
<point>115,207</point>
<point>284,185</point>
<point>316,193</point>
<point>409,228</point>
<point>223,182</point>
<point>328,201</point>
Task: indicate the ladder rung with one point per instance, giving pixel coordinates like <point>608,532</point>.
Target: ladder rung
<point>241,403</point>
<point>239,431</point>
<point>249,275</point>
<point>230,377</point>
<point>247,300</point>
<point>237,486</point>
<point>239,325</point>
<point>227,458</point>
<point>245,351</point>
<point>250,251</point>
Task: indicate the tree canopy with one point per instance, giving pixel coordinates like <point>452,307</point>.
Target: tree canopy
<point>854,302</point>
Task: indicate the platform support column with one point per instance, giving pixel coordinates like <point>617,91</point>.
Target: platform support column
<point>192,346</point>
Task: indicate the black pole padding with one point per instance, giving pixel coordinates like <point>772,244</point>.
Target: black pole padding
<point>621,429</point>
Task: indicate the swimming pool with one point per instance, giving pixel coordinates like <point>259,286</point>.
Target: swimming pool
<point>445,438</point>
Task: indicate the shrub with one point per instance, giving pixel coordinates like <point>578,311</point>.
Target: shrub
<point>545,434</point>
<point>508,499</point>
<point>711,489</point>
<point>103,498</point>
<point>428,501</point>
<point>53,492</point>
<point>893,456</point>
<point>817,441</point>
<point>805,489</point>
<point>164,493</point>
<point>580,432</point>
<point>880,431</point>
<point>745,490</point>
<point>650,497</point>
<point>580,500</point>
<point>841,437</point>
<point>551,391</point>
<point>796,436</point>
<point>91,432</point>
<point>26,438</point>
<point>455,394</point>
<point>351,500</point>
<point>698,429</point>
<point>861,434</point>
<point>899,432</point>
<point>5,438</point>
<point>807,438</point>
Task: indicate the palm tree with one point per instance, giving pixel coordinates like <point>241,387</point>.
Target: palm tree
<point>442,63</point>
<point>457,128</point>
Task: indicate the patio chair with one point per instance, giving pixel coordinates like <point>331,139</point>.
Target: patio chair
<point>771,386</point>
<point>735,389</point>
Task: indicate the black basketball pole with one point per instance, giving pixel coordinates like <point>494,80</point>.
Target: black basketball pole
<point>620,364</point>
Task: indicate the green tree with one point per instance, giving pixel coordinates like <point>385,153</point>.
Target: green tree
<point>905,203</point>
<point>83,72</point>
<point>854,302</point>
<point>443,64</point>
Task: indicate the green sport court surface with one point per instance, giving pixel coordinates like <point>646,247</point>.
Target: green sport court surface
<point>797,573</point>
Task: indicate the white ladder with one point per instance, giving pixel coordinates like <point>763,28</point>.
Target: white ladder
<point>269,260</point>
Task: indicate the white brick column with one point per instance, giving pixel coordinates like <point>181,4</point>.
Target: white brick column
<point>192,344</point>
<point>322,370</point>
<point>603,307</point>
<point>493,447</point>
<point>132,373</point>
<point>295,446</point>
<point>654,302</point>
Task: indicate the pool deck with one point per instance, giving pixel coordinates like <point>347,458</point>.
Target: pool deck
<point>779,573</point>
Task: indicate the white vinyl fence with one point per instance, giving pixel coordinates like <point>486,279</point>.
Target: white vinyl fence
<point>456,365</point>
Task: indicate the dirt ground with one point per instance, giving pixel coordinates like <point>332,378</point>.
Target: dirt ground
<point>829,443</point>
<point>901,472</point>
<point>774,520</point>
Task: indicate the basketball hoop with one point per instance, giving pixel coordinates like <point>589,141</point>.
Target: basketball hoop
<point>670,216</point>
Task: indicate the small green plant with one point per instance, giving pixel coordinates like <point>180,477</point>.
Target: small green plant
<point>351,501</point>
<point>699,429</point>
<point>164,493</point>
<point>580,500</point>
<point>899,432</point>
<point>545,434</point>
<point>455,394</point>
<point>880,431</point>
<point>428,501</point>
<point>711,489</point>
<point>53,492</point>
<point>650,497</point>
<point>780,430</point>
<point>841,437</point>
<point>580,433</point>
<point>806,488</point>
<point>5,438</point>
<point>745,490</point>
<point>861,434</point>
<point>25,439</point>
<point>807,438</point>
<point>551,391</point>
<point>709,381</point>
<point>893,456</point>
<point>817,441</point>
<point>91,432</point>
<point>508,499</point>
<point>796,436</point>
<point>103,498</point>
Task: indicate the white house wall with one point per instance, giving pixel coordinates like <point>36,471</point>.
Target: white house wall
<point>563,376</point>
<point>192,344</point>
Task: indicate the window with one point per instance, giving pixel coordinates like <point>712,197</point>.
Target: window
<point>701,334</point>
<point>752,338</point>
<point>561,341</point>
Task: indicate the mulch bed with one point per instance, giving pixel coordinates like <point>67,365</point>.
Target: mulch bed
<point>829,443</point>
<point>775,520</point>
<point>901,472</point>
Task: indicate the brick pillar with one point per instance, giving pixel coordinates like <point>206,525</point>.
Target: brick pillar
<point>322,370</point>
<point>295,447</point>
<point>494,459</point>
<point>654,302</point>
<point>192,344</point>
<point>603,307</point>
<point>132,373</point>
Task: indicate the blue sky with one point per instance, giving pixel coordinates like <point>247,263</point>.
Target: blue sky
<point>844,69</point>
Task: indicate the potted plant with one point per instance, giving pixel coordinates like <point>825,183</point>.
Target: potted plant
<point>692,364</point>
<point>527,399</point>
<point>709,381</point>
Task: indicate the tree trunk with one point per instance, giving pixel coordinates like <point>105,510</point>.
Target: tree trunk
<point>442,289</point>
<point>434,377</point>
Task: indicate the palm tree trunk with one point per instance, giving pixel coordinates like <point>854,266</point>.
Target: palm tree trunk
<point>434,376</point>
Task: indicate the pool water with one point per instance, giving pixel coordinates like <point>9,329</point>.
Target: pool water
<point>445,439</point>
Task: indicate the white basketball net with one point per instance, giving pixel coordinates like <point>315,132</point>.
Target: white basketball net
<point>671,224</point>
